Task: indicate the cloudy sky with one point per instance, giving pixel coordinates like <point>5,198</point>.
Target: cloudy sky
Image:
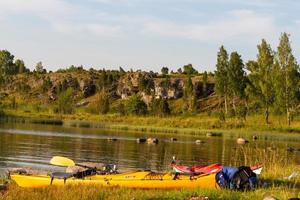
<point>142,34</point>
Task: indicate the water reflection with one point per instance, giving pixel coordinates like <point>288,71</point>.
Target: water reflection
<point>33,145</point>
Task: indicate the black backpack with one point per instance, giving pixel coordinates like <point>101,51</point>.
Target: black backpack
<point>243,179</point>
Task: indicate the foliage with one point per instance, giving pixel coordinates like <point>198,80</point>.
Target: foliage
<point>164,70</point>
<point>236,78</point>
<point>107,80</point>
<point>136,106</point>
<point>39,68</point>
<point>221,75</point>
<point>286,73</point>
<point>65,102</point>
<point>145,84</point>
<point>188,69</point>
<point>20,67</point>
<point>7,66</point>
<point>103,102</point>
<point>161,107</point>
<point>260,84</point>
<point>47,84</point>
<point>121,109</point>
<point>71,68</point>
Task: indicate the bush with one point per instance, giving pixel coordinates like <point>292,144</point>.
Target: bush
<point>103,103</point>
<point>161,107</point>
<point>65,102</point>
<point>136,106</point>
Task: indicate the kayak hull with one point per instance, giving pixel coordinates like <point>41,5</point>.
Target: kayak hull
<point>145,180</point>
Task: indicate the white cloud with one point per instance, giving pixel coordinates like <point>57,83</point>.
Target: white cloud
<point>237,24</point>
<point>59,14</point>
<point>100,30</point>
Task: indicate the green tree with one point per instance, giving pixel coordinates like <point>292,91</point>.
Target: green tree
<point>39,68</point>
<point>136,106</point>
<point>190,95</point>
<point>260,84</point>
<point>287,78</point>
<point>221,76</point>
<point>164,71</point>
<point>20,66</point>
<point>103,100</point>
<point>65,101</point>
<point>188,69</point>
<point>7,66</point>
<point>236,78</point>
<point>161,107</point>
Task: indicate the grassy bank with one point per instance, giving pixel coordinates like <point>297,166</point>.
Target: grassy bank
<point>96,193</point>
<point>272,181</point>
<point>187,124</point>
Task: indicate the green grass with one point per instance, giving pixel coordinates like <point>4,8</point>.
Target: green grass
<point>272,181</point>
<point>185,124</point>
<point>96,193</point>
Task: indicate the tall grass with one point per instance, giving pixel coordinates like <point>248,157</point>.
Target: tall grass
<point>272,181</point>
<point>189,124</point>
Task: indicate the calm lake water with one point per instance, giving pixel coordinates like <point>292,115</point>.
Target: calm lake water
<point>33,145</point>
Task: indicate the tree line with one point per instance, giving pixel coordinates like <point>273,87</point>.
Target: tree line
<point>269,83</point>
<point>271,80</point>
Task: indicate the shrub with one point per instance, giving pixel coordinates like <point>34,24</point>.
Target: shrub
<point>65,102</point>
<point>136,106</point>
<point>103,103</point>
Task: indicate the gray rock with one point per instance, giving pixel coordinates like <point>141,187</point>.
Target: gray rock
<point>141,140</point>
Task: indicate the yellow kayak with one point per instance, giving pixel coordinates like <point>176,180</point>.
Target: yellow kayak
<point>139,179</point>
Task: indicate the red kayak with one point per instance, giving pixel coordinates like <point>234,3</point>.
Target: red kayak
<point>206,169</point>
<point>197,169</point>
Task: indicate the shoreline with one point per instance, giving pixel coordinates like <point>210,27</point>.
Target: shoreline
<point>173,125</point>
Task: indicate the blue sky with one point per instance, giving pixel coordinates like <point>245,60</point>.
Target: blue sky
<point>142,34</point>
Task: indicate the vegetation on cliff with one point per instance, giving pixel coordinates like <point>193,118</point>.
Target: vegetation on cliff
<point>266,86</point>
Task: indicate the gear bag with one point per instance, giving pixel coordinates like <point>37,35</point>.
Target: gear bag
<point>244,179</point>
<point>241,178</point>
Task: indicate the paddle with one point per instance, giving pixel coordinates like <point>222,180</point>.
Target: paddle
<point>67,162</point>
<point>62,161</point>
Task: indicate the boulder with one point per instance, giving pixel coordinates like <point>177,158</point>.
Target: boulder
<point>242,141</point>
<point>199,142</point>
<point>211,134</point>
<point>112,139</point>
<point>152,141</point>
